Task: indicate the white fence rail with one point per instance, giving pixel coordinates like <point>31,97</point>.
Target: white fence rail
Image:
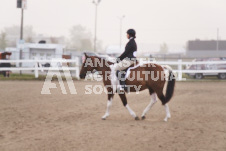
<point>180,69</point>
<point>38,67</point>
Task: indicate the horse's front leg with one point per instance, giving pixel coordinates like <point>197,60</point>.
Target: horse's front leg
<point>109,103</point>
<point>124,101</point>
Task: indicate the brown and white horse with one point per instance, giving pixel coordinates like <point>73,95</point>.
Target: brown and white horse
<point>147,76</point>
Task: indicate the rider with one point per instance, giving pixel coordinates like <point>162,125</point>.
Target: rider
<point>128,57</point>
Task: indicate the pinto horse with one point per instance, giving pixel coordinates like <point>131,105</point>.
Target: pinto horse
<point>140,79</point>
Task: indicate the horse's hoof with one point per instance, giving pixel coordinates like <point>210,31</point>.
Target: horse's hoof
<point>137,118</point>
<point>143,117</point>
<point>105,116</point>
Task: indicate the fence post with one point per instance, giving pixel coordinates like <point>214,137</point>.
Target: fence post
<point>36,69</point>
<point>77,66</point>
<point>179,70</point>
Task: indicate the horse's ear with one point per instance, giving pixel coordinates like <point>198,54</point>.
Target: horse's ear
<point>86,55</point>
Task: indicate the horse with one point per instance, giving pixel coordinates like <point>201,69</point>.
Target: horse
<point>153,84</point>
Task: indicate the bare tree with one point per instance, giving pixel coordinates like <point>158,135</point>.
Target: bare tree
<point>80,38</point>
<point>163,48</point>
<point>3,41</point>
<point>29,39</point>
<point>54,40</point>
<point>13,34</point>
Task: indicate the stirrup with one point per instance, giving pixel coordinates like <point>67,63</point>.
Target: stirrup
<point>125,88</point>
<point>120,88</point>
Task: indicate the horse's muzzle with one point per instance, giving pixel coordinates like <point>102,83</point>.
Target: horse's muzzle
<point>82,76</point>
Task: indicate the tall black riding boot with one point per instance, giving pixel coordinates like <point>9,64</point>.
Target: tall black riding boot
<point>123,81</point>
<point>121,77</point>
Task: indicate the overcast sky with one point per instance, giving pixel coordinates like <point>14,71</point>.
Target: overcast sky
<point>156,21</point>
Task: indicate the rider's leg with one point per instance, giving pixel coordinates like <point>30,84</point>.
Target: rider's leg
<point>114,68</point>
<point>122,65</point>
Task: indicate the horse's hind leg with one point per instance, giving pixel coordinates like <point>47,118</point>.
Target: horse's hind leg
<point>110,98</point>
<point>124,101</point>
<point>162,98</point>
<point>168,115</point>
<point>153,101</point>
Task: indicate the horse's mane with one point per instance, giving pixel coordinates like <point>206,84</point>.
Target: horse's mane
<point>108,62</point>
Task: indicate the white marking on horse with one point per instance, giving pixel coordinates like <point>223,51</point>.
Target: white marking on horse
<point>108,109</point>
<point>166,69</point>
<point>114,79</point>
<point>128,71</point>
<point>168,115</point>
<point>153,101</point>
<point>131,111</point>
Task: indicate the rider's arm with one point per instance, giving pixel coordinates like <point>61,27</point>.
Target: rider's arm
<point>125,53</point>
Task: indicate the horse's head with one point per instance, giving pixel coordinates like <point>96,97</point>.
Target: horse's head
<point>87,66</point>
<point>94,63</point>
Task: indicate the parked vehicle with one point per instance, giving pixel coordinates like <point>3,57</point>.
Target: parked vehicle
<point>207,67</point>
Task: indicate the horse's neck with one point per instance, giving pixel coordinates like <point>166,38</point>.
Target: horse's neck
<point>105,72</point>
<point>103,69</point>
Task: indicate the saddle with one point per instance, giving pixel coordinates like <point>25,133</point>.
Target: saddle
<point>121,75</point>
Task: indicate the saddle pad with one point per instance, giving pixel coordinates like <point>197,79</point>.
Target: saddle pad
<point>166,69</point>
<point>128,71</point>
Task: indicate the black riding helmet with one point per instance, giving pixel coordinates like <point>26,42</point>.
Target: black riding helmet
<point>132,33</point>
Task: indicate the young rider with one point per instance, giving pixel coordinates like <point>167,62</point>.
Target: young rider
<point>128,57</point>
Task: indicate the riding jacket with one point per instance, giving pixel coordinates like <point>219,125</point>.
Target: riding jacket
<point>130,50</point>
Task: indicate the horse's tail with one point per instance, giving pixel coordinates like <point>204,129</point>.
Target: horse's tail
<point>170,87</point>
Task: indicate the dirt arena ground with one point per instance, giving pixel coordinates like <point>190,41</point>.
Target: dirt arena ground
<point>30,121</point>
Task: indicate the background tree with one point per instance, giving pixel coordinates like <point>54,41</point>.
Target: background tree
<point>54,40</point>
<point>80,38</point>
<point>3,41</point>
<point>163,48</point>
<point>13,34</point>
<point>29,39</point>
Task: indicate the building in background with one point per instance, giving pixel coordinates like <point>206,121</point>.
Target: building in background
<point>39,51</point>
<point>206,48</point>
